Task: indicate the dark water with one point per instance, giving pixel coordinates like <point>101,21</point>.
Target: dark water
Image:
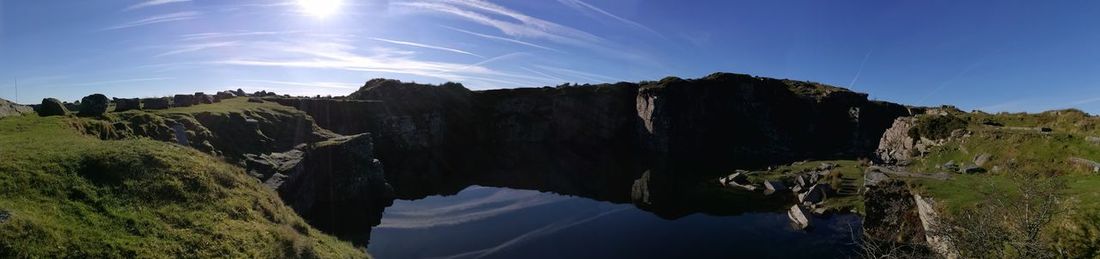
<point>487,222</point>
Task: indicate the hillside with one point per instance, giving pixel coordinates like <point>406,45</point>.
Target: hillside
<point>67,194</point>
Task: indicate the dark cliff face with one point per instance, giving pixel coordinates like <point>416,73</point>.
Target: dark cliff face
<point>583,140</point>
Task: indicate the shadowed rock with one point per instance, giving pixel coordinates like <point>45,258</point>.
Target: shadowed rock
<point>51,107</point>
<point>122,105</point>
<point>94,105</point>
<point>156,103</point>
<point>183,100</point>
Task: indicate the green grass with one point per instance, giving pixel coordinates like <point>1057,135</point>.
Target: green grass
<point>850,169</point>
<point>72,195</point>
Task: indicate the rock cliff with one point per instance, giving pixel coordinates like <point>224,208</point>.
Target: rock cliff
<point>8,108</point>
<point>437,134</point>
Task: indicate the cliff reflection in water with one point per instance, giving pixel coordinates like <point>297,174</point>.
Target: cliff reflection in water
<point>489,222</point>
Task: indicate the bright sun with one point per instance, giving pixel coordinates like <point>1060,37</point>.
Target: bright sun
<point>320,8</point>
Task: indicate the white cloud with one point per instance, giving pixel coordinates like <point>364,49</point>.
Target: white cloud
<point>589,9</point>
<point>426,46</point>
<point>180,16</point>
<point>483,12</point>
<point>151,3</point>
<point>197,47</point>
<point>505,39</point>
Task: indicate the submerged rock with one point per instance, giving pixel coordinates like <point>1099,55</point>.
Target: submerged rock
<point>800,218</point>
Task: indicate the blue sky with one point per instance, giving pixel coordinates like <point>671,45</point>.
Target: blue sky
<point>995,56</point>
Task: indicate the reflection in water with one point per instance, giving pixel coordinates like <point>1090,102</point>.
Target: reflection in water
<point>486,222</point>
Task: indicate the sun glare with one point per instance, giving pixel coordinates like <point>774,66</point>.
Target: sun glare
<point>320,8</point>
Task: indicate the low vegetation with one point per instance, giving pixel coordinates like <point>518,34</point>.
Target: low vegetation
<point>66,194</point>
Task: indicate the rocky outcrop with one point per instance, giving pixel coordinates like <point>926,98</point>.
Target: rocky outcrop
<point>431,134</point>
<point>94,105</point>
<point>8,108</point>
<point>122,105</point>
<point>51,107</point>
<point>928,217</point>
<point>156,103</point>
<point>183,100</point>
<point>338,186</point>
<point>896,145</point>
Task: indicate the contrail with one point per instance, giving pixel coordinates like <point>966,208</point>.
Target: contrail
<point>860,71</point>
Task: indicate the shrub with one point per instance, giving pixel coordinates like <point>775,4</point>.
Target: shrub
<point>936,127</point>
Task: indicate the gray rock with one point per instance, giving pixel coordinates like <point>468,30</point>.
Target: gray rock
<point>4,216</point>
<point>51,107</point>
<point>255,100</point>
<point>183,100</point>
<point>181,134</point>
<point>1091,165</point>
<point>8,108</point>
<point>1093,140</point>
<point>815,194</point>
<point>122,105</point>
<point>873,178</point>
<point>774,186</point>
<point>94,105</point>
<point>224,95</point>
<point>800,218</point>
<point>951,166</point>
<point>826,166</point>
<point>156,103</point>
<point>982,159</point>
<point>972,169</point>
<point>202,98</point>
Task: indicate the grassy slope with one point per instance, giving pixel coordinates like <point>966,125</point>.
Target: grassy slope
<point>1024,151</point>
<point>70,195</point>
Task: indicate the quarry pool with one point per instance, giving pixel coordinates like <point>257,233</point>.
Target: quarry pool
<point>489,222</point>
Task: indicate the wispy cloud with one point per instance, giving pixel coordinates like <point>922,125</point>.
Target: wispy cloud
<point>559,79</point>
<point>197,47</point>
<point>594,78</point>
<point>505,39</point>
<point>519,24</point>
<point>172,17</point>
<point>121,81</point>
<point>337,85</point>
<point>151,3</point>
<point>426,46</point>
<point>590,9</point>
<point>218,35</point>
<point>342,56</point>
<point>860,70</point>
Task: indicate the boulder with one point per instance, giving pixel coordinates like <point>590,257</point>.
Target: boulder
<point>202,98</point>
<point>127,104</point>
<point>1093,140</point>
<point>51,107</point>
<point>1088,164</point>
<point>874,177</point>
<point>972,169</point>
<point>4,216</point>
<point>181,134</point>
<point>156,103</point>
<point>896,144</point>
<point>800,218</point>
<point>72,106</point>
<point>826,166</point>
<point>815,194</point>
<point>183,100</point>
<point>774,186</point>
<point>223,95</point>
<point>8,108</point>
<point>255,99</point>
<point>982,158</point>
<point>94,105</point>
<point>240,93</point>
<point>951,166</point>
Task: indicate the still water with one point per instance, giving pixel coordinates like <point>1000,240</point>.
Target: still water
<point>488,222</point>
